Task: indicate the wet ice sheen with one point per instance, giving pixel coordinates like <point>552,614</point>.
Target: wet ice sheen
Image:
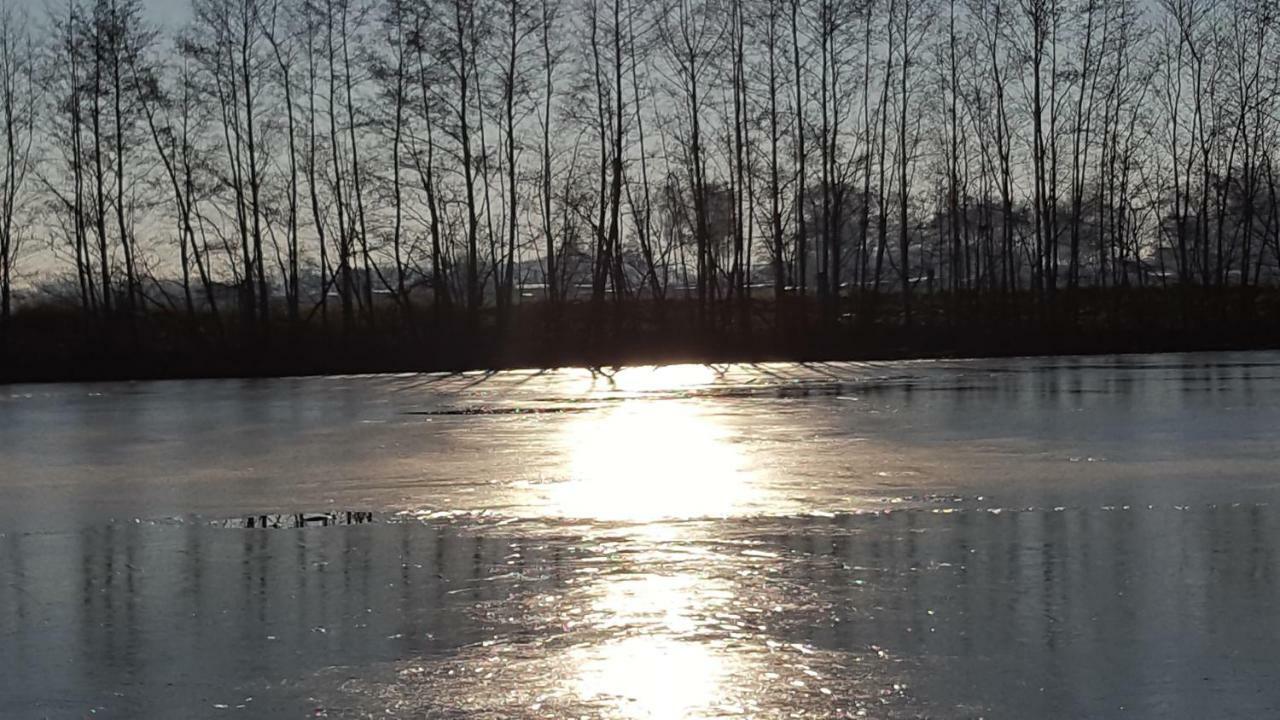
<point>1072,537</point>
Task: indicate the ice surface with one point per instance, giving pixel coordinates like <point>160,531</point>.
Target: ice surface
<point>1067,537</point>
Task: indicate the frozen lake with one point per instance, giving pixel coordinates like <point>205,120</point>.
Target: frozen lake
<point>1045,537</point>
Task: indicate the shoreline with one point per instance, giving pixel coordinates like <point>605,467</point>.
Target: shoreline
<point>159,366</point>
<point>51,344</point>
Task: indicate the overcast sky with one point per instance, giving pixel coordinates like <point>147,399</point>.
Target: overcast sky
<point>169,13</point>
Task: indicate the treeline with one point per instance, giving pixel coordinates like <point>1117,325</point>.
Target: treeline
<point>344,163</point>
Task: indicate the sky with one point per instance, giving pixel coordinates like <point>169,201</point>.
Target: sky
<point>168,13</point>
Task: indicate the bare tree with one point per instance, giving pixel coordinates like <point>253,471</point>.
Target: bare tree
<point>18,104</point>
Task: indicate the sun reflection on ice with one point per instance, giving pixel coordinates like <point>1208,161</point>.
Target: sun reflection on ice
<point>662,378</point>
<point>648,460</point>
<point>654,664</point>
<point>660,616</point>
<point>652,677</point>
<point>645,461</point>
<point>635,380</point>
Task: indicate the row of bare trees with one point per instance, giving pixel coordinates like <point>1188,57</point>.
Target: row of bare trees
<point>349,160</point>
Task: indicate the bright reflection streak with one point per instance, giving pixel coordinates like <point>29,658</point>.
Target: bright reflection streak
<point>659,602</point>
<point>656,668</point>
<point>637,380</point>
<point>662,377</point>
<point>648,677</point>
<point>646,460</point>
<point>649,460</point>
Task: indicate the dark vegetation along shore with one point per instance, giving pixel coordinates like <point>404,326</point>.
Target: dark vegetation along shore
<point>48,344</point>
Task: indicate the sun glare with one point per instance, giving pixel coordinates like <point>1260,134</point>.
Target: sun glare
<point>660,378</point>
<point>655,670</point>
<point>652,677</point>
<point>649,460</point>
